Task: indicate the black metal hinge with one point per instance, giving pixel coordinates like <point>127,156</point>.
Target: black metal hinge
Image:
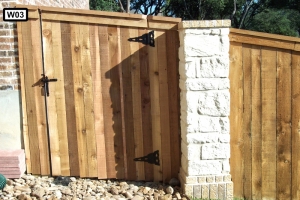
<point>146,39</point>
<point>152,158</point>
<point>45,82</point>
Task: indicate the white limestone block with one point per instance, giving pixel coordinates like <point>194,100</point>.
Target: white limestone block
<point>226,166</point>
<point>200,84</point>
<point>215,151</point>
<point>202,138</point>
<point>214,103</point>
<point>189,101</point>
<point>206,45</point>
<point>224,124</point>
<point>191,151</point>
<point>203,167</point>
<point>224,138</point>
<point>213,67</point>
<point>187,69</point>
<point>224,31</point>
<point>209,124</point>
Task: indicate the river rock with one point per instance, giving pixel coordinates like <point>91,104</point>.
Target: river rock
<point>169,190</point>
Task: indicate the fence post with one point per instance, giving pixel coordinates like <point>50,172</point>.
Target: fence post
<point>205,109</point>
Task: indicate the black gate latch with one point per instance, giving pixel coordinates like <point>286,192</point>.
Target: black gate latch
<point>45,81</point>
<point>152,158</point>
<point>146,39</point>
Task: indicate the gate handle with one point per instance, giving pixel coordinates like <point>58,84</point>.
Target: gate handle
<point>45,81</point>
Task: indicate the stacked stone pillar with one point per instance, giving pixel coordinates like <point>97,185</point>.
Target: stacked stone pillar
<point>205,109</point>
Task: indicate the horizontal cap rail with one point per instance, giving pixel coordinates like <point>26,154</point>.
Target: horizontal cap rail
<point>264,39</point>
<point>101,17</point>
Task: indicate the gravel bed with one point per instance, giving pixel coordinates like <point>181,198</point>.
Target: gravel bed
<point>31,187</point>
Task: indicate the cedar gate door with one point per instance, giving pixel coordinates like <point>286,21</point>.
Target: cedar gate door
<point>113,94</point>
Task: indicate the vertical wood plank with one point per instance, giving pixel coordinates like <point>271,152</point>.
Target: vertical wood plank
<point>268,123</point>
<point>247,135</point>
<point>164,105</point>
<point>29,80</point>
<point>90,139</point>
<point>23,97</point>
<point>146,105</point>
<point>295,125</point>
<point>76,40</point>
<point>40,108</point>
<point>107,101</point>
<point>59,94</point>
<point>98,104</point>
<point>172,42</point>
<point>69,98</point>
<point>51,101</point>
<point>115,95</point>
<point>155,106</point>
<point>136,101</point>
<point>236,117</point>
<point>283,120</point>
<point>256,122</point>
<point>128,108</point>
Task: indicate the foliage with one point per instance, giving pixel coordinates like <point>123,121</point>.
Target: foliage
<point>272,16</point>
<point>105,5</point>
<point>277,21</point>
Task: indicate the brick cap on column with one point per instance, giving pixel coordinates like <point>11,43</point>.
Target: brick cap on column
<point>205,24</point>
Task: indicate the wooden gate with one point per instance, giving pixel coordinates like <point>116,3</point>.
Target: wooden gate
<point>115,99</point>
<point>265,115</point>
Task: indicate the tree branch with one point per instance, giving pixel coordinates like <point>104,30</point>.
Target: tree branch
<point>234,10</point>
<point>121,6</point>
<point>245,13</point>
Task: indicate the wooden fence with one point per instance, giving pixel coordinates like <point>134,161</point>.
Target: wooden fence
<point>114,99</point>
<point>265,115</point>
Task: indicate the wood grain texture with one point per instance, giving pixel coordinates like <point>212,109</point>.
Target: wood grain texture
<point>59,98</point>
<point>172,45</point>
<point>236,117</point>
<point>54,16</point>
<point>29,80</point>
<point>39,100</point>
<point>51,101</point>
<point>155,106</point>
<point>88,102</point>
<point>268,71</point>
<point>247,135</point>
<point>76,40</point>
<point>164,105</point>
<point>295,125</point>
<point>107,101</point>
<point>115,95</point>
<point>256,122</point>
<point>98,104</point>
<point>283,124</point>
<point>69,98</point>
<point>136,101</point>
<point>128,102</point>
<point>146,105</point>
<point>23,98</point>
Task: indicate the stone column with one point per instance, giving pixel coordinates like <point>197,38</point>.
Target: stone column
<point>205,109</point>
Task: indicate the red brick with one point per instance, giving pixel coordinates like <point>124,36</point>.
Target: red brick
<point>5,74</point>
<point>12,53</point>
<point>5,60</point>
<point>8,66</point>
<point>5,46</point>
<point>5,32</point>
<point>3,53</point>
<point>4,81</point>
<point>7,39</point>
